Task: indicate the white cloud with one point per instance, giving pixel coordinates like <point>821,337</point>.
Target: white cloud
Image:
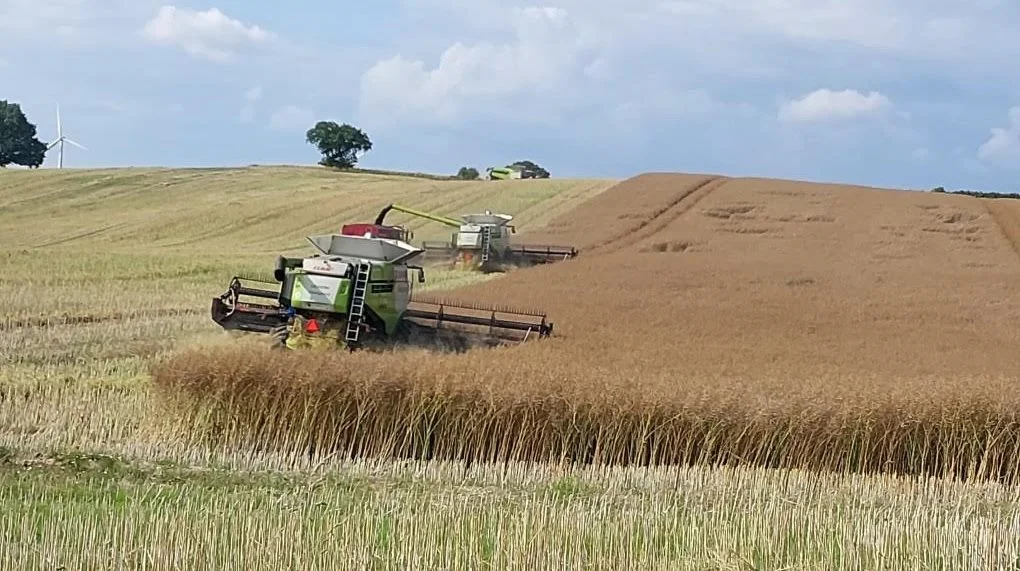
<point>547,52</point>
<point>868,23</point>
<point>925,29</point>
<point>826,104</point>
<point>292,118</point>
<point>749,38</point>
<point>251,97</point>
<point>208,34</point>
<point>1003,147</point>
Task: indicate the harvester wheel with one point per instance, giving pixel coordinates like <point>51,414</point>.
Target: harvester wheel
<point>278,337</point>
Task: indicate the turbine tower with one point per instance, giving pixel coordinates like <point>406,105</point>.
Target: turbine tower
<point>61,139</point>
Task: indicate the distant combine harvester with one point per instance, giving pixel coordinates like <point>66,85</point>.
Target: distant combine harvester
<point>513,172</point>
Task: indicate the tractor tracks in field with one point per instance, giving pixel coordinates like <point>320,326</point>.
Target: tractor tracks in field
<point>1007,218</point>
<point>666,215</point>
<point>9,324</point>
<point>81,235</point>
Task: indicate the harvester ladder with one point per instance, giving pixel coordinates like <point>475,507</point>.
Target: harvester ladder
<point>486,243</point>
<point>357,302</point>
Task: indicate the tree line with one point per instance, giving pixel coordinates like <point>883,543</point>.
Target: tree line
<point>976,193</point>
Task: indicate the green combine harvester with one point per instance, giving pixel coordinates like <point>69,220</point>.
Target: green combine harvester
<point>515,171</point>
<point>356,293</point>
<point>503,173</point>
<point>482,242</point>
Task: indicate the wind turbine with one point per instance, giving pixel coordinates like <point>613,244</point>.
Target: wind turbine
<point>61,139</point>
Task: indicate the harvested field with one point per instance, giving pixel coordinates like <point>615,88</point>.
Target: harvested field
<point>68,512</point>
<point>121,264</point>
<point>247,211</point>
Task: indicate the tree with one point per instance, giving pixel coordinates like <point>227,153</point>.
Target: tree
<point>468,173</point>
<point>535,170</point>
<point>18,143</point>
<point>339,144</point>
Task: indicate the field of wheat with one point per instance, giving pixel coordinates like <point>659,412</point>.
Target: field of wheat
<point>821,341</point>
<point>709,321</point>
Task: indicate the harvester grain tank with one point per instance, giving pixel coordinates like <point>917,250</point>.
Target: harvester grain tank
<point>377,231</point>
<point>482,241</point>
<point>356,293</point>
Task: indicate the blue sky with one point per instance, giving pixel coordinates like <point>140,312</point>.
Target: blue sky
<point>903,93</point>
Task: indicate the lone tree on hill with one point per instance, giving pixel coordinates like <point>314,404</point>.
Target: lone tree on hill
<point>467,173</point>
<point>18,143</point>
<point>339,144</point>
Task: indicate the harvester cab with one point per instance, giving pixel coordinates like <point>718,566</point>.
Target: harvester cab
<point>482,241</point>
<point>488,233</point>
<point>356,293</point>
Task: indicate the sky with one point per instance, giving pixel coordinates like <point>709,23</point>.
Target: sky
<point>897,93</point>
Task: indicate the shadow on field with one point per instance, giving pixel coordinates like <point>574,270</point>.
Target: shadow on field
<point>493,406</point>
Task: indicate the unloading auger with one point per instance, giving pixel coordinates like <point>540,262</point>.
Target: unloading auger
<point>355,293</point>
<point>482,242</point>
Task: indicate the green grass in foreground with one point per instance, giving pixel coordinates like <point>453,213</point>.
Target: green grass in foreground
<point>80,512</point>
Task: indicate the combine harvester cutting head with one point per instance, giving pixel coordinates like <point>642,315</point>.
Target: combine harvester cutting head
<point>482,242</point>
<point>356,294</point>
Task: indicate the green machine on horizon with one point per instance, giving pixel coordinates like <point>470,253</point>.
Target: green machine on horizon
<point>356,293</point>
<point>513,172</point>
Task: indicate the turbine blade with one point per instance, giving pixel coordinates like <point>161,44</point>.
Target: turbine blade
<point>75,144</point>
<point>53,144</point>
<point>59,132</point>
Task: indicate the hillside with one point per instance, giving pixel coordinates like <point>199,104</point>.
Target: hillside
<point>255,210</point>
<point>752,278</point>
<point>798,333</point>
<point>131,258</point>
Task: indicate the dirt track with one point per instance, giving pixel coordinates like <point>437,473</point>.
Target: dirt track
<point>615,214</point>
<point>755,277</point>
